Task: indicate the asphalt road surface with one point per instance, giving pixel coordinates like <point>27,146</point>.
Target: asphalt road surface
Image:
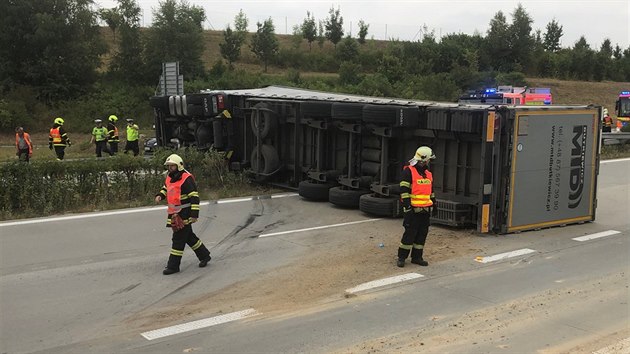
<point>92,283</point>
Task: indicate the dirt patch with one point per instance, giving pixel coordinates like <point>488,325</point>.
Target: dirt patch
<point>322,274</point>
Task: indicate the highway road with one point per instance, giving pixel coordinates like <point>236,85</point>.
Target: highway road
<point>92,283</point>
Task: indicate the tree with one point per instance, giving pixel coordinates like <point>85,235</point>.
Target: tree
<point>176,35</point>
<point>309,29</point>
<point>112,18</point>
<point>53,46</point>
<point>552,36</point>
<point>128,59</point>
<point>498,43</point>
<point>334,26</point>
<point>348,49</point>
<point>582,60</point>
<point>264,42</point>
<point>231,46</point>
<point>363,31</point>
<point>321,35</point>
<point>240,25</point>
<point>520,35</point>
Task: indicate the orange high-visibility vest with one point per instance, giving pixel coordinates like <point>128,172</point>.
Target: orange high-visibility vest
<point>27,139</point>
<point>56,136</point>
<point>421,188</point>
<point>174,194</point>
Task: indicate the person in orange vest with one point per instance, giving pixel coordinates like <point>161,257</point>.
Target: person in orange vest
<point>418,202</point>
<point>607,122</point>
<point>180,192</point>
<point>23,145</point>
<point>58,138</point>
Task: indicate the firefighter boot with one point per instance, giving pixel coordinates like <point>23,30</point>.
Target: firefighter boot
<point>402,255</point>
<point>168,271</point>
<point>173,264</point>
<point>204,261</point>
<point>416,257</point>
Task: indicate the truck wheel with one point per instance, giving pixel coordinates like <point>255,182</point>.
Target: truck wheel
<point>377,205</point>
<point>269,161</point>
<point>268,121</point>
<point>344,197</point>
<point>314,190</point>
<point>347,111</point>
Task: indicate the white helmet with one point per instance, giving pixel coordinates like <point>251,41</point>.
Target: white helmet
<point>605,111</point>
<point>423,154</point>
<point>174,159</point>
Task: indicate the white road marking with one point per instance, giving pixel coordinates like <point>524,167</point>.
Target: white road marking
<point>383,282</point>
<point>317,228</point>
<point>623,346</point>
<point>134,210</point>
<point>596,235</point>
<point>190,326</point>
<point>506,255</point>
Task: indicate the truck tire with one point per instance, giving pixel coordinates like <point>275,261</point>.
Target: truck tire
<point>320,110</point>
<point>373,155</point>
<point>391,115</point>
<point>370,168</point>
<point>314,191</point>
<point>347,111</point>
<point>159,102</point>
<point>377,205</point>
<point>268,121</point>
<point>344,197</point>
<point>372,142</point>
<point>269,159</point>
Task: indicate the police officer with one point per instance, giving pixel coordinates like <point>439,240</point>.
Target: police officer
<point>99,137</point>
<point>112,132</point>
<point>58,138</point>
<point>180,192</point>
<point>418,201</point>
<point>132,137</point>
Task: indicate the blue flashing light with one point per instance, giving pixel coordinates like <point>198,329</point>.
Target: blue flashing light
<point>491,90</point>
<point>625,92</point>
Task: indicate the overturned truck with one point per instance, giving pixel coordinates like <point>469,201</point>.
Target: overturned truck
<point>500,168</point>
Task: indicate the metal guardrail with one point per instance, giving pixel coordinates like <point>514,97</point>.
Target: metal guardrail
<point>615,138</point>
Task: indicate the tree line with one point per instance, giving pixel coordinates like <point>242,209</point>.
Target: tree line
<point>52,54</point>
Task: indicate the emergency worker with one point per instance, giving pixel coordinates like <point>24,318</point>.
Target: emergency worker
<point>112,132</point>
<point>23,144</point>
<point>180,192</point>
<point>607,122</point>
<point>99,137</point>
<point>132,138</point>
<point>418,201</point>
<point>58,138</point>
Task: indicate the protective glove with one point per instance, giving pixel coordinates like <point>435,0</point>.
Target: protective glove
<point>176,222</point>
<point>50,146</point>
<point>406,210</point>
<point>434,210</point>
<point>69,143</point>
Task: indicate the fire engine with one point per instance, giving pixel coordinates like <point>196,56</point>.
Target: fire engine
<point>623,107</point>
<point>509,95</point>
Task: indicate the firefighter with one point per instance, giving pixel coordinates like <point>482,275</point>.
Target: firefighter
<point>23,145</point>
<point>180,192</point>
<point>58,138</point>
<point>132,138</point>
<point>112,132</point>
<point>418,201</point>
<point>99,137</point>
<point>608,122</point>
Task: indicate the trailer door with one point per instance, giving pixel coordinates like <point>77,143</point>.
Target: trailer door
<point>553,167</point>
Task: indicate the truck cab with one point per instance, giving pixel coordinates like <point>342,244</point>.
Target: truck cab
<point>623,107</point>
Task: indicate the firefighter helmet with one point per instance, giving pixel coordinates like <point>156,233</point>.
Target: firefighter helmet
<point>605,111</point>
<point>424,154</point>
<point>113,118</point>
<point>97,121</point>
<point>174,159</point>
<point>59,120</point>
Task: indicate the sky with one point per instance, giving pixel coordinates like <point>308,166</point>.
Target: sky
<point>596,20</point>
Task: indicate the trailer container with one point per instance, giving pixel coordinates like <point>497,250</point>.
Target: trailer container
<point>501,168</point>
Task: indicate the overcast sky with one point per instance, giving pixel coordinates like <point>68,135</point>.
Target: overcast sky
<point>595,19</point>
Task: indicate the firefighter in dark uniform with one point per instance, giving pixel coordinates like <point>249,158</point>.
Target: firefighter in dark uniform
<point>58,138</point>
<point>418,201</point>
<point>180,192</point>
<point>112,131</point>
<point>608,122</point>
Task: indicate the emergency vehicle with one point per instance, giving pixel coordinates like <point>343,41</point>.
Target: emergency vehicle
<point>528,96</point>
<point>623,107</point>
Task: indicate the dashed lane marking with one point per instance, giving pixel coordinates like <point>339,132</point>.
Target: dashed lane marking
<point>137,210</point>
<point>503,256</point>
<point>191,326</point>
<point>596,235</point>
<point>383,282</point>
<point>317,228</point>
